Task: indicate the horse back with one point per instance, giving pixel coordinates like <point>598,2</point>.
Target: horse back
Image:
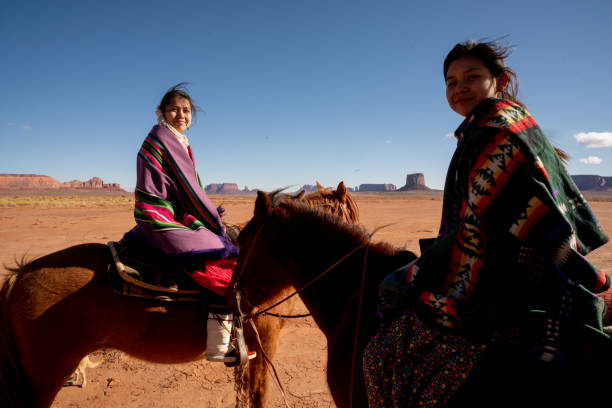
<point>90,256</point>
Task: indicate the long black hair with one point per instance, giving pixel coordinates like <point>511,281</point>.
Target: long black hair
<point>179,90</point>
<point>492,54</point>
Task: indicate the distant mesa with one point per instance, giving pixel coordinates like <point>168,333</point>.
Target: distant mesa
<point>592,182</point>
<point>227,188</point>
<point>376,187</point>
<point>40,182</point>
<point>415,181</point>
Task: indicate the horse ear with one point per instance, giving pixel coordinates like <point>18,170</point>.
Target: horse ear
<point>320,188</point>
<point>263,205</point>
<point>341,192</point>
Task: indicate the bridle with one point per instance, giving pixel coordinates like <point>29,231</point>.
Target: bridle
<point>240,295</point>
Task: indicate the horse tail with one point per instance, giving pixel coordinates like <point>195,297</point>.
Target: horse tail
<point>241,386</point>
<point>14,385</point>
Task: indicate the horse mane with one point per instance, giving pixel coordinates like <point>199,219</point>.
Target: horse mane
<point>341,204</point>
<point>327,199</point>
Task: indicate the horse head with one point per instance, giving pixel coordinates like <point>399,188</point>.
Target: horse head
<point>338,202</point>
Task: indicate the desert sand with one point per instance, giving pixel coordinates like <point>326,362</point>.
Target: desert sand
<point>33,230</point>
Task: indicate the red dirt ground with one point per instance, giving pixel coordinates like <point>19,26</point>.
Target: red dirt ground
<point>123,381</point>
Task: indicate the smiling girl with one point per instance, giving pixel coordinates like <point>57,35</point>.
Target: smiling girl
<point>504,296</point>
<point>175,217</point>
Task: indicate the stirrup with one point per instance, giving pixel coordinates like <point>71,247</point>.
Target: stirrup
<point>239,354</point>
<point>232,358</point>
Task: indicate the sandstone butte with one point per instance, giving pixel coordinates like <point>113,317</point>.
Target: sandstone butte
<point>415,181</point>
<point>40,182</point>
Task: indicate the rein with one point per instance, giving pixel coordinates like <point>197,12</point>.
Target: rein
<point>284,316</point>
<point>357,324</point>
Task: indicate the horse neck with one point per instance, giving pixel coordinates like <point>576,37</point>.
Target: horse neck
<point>333,300</point>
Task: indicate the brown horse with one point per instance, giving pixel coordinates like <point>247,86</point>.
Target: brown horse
<point>314,241</point>
<point>337,271</point>
<point>252,380</point>
<point>58,308</point>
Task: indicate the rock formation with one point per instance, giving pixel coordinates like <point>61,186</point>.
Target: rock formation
<point>592,182</point>
<point>27,181</point>
<point>40,182</point>
<point>415,181</point>
<point>376,187</point>
<point>226,188</point>
<point>212,188</point>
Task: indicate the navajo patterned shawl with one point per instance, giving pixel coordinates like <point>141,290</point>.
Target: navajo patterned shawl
<point>513,237</point>
<point>172,211</point>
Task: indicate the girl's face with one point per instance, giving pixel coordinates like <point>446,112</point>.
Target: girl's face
<point>178,113</point>
<point>468,82</point>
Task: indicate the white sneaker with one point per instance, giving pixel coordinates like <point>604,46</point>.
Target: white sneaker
<point>218,336</point>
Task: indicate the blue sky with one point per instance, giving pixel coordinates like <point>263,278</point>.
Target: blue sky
<point>291,91</point>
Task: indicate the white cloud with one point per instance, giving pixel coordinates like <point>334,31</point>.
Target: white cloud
<point>11,123</point>
<point>387,142</point>
<point>594,139</point>
<point>449,135</point>
<point>27,127</point>
<point>591,160</point>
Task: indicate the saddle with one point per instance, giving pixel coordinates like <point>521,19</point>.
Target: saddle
<point>141,271</point>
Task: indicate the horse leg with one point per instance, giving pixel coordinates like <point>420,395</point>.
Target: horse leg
<point>269,330</point>
<point>256,374</point>
<point>346,378</point>
<point>339,363</point>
